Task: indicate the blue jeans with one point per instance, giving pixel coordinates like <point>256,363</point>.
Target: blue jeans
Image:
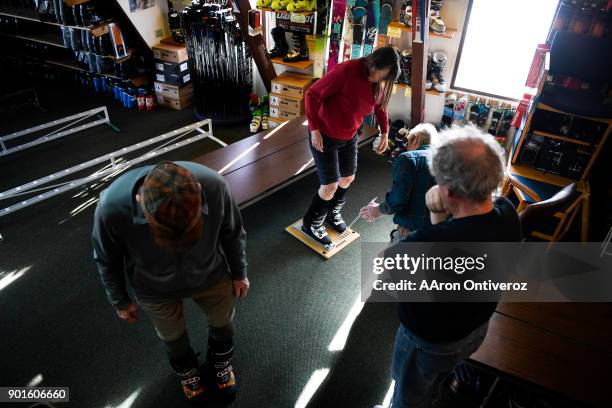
<point>418,365</point>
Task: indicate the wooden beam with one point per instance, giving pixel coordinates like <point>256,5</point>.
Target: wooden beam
<point>419,66</point>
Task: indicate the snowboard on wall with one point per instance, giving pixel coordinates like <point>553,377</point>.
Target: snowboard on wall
<point>372,23</point>
<point>347,33</point>
<point>360,14</point>
<point>335,36</point>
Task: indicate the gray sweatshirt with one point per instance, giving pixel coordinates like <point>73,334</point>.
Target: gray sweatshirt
<point>123,244</point>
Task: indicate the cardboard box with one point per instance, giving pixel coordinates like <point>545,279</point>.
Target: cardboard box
<point>290,84</point>
<point>170,53</point>
<point>173,91</point>
<point>280,113</point>
<point>287,103</point>
<point>274,122</point>
<point>171,68</point>
<point>173,79</point>
<point>177,104</point>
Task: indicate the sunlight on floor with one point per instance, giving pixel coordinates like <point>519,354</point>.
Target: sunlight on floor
<point>313,384</point>
<point>127,403</point>
<point>35,382</point>
<point>339,340</point>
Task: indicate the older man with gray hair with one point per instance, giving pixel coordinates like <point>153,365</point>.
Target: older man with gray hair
<point>434,337</point>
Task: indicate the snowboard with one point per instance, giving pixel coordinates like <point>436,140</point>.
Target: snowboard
<point>347,33</point>
<point>372,22</point>
<point>359,12</point>
<point>335,37</point>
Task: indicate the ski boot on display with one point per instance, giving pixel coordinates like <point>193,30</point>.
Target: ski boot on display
<point>301,5</point>
<point>405,67</point>
<point>256,112</point>
<point>386,16</point>
<point>192,383</point>
<point>300,49</point>
<point>280,43</point>
<point>436,24</point>
<point>334,218</point>
<point>264,3</point>
<point>438,62</point>
<point>280,5</point>
<point>406,13</point>
<point>265,112</point>
<point>314,228</point>
<point>220,368</point>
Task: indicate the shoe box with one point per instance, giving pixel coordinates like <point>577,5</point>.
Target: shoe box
<point>173,73</point>
<point>173,96</point>
<point>176,104</point>
<point>280,113</point>
<point>287,103</point>
<point>173,87</point>
<point>274,122</point>
<point>170,53</point>
<point>291,84</point>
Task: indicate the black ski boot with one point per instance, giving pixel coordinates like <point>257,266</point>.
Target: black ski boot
<point>300,49</point>
<point>280,43</point>
<point>188,369</point>
<point>313,227</point>
<point>334,218</point>
<point>219,366</point>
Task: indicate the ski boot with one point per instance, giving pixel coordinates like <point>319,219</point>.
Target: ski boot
<point>405,67</point>
<point>188,370</point>
<point>386,16</point>
<point>280,43</point>
<point>301,5</point>
<point>438,62</point>
<point>300,49</point>
<point>436,24</point>
<point>334,218</point>
<point>256,112</point>
<point>265,112</point>
<point>264,3</point>
<point>279,5</point>
<point>449,107</point>
<point>219,366</point>
<point>314,228</point>
<point>406,13</point>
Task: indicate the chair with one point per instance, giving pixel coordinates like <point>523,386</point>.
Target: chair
<point>550,219</point>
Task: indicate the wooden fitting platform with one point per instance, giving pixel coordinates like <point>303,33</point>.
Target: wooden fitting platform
<point>340,240</point>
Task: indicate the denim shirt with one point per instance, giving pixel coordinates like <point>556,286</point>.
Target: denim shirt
<point>411,180</point>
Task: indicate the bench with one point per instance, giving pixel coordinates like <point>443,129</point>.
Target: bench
<point>263,163</point>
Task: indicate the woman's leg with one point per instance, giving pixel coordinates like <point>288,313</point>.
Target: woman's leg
<point>347,166</point>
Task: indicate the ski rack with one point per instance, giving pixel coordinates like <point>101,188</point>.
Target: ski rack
<point>111,169</point>
<point>58,133</point>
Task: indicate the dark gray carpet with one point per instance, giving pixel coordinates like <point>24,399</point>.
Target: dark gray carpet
<point>56,320</point>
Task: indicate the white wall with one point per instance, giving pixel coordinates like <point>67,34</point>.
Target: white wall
<point>151,23</point>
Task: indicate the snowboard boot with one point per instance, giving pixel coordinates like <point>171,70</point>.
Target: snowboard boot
<point>219,358</point>
<point>301,5</point>
<point>188,369</point>
<point>280,43</point>
<point>300,49</point>
<point>279,5</point>
<point>406,13</point>
<point>334,218</point>
<point>405,67</point>
<point>438,62</point>
<point>265,112</point>
<point>386,16</point>
<point>313,223</point>
<point>436,24</point>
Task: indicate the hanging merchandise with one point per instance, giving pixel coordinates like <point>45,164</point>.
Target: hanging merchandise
<point>220,59</point>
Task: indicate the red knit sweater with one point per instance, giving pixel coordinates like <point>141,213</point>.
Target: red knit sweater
<point>337,103</point>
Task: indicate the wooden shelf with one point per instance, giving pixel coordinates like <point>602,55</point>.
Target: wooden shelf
<point>31,16</point>
<point>297,65</point>
<point>551,109</point>
<point>539,175</point>
<point>408,87</point>
<point>448,34</point>
<point>563,138</point>
<point>49,39</point>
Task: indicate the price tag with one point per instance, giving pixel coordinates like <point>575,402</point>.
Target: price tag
<point>394,32</point>
<point>408,91</point>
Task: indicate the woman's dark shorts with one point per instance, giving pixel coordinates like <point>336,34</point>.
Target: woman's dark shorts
<point>339,159</point>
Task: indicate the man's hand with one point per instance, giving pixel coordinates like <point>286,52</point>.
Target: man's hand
<point>384,143</point>
<point>316,140</point>
<point>433,200</point>
<point>241,287</point>
<point>371,212</point>
<point>129,314</point>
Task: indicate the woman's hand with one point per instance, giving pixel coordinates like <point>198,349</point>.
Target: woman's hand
<point>316,140</point>
<point>384,143</point>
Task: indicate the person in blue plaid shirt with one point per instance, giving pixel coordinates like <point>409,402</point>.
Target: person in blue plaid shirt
<point>411,180</point>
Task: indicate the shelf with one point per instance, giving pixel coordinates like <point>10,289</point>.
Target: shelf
<point>32,16</point>
<point>49,39</point>
<point>448,34</point>
<point>563,138</point>
<point>70,64</point>
<point>551,109</point>
<point>539,175</point>
<point>408,89</point>
<point>297,65</point>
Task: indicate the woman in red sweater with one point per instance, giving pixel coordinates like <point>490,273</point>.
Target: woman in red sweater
<point>335,107</point>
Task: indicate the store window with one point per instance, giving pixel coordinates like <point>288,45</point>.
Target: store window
<point>498,44</point>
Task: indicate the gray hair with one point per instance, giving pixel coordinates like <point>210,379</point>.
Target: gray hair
<point>469,162</point>
<point>425,133</point>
